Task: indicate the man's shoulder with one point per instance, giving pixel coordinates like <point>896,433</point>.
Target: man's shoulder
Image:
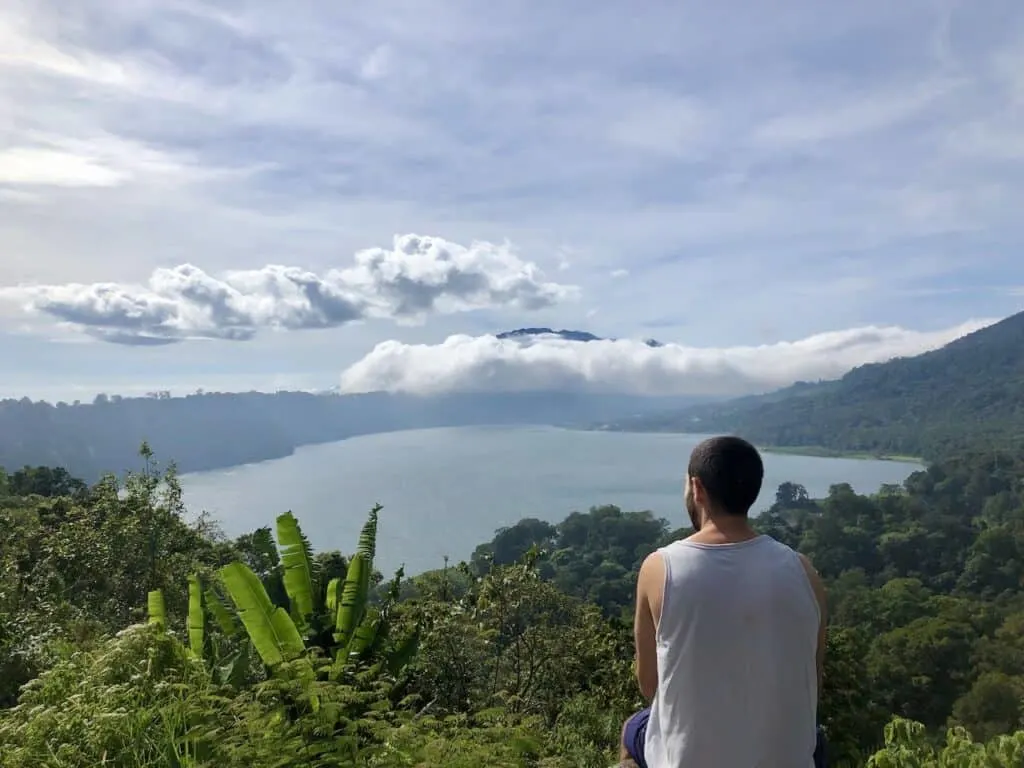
<point>782,547</point>
<point>653,567</point>
<point>817,584</point>
<point>805,561</point>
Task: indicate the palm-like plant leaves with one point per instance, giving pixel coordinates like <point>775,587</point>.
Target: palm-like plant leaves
<point>271,629</point>
<point>156,609</point>
<point>365,635</point>
<point>333,597</point>
<point>297,559</point>
<point>359,630</point>
<point>368,536</point>
<point>353,599</point>
<point>196,617</point>
<point>224,618</point>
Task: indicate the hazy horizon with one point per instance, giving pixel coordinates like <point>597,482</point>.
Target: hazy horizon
<point>567,366</point>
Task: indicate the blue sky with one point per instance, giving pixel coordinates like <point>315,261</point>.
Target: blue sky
<point>719,175</point>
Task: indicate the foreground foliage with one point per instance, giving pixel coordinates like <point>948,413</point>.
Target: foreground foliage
<point>130,638</point>
<point>907,744</point>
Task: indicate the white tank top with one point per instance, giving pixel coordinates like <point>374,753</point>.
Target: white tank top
<point>737,678</point>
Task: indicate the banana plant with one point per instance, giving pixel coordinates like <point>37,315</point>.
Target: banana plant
<point>230,669</point>
<point>272,631</point>
<point>233,668</point>
<point>367,546</point>
<point>226,620</point>
<point>338,620</point>
<point>354,593</point>
<point>288,571</point>
<point>358,630</point>
<point>196,616</point>
<point>266,562</point>
<point>300,582</point>
<point>332,598</point>
<point>156,609</point>
<point>352,630</point>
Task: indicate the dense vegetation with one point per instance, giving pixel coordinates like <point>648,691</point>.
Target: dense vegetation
<point>213,430</point>
<point>129,637</point>
<point>970,393</point>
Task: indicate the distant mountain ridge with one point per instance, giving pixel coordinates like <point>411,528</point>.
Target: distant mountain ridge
<point>970,393</point>
<point>584,336</point>
<point>216,430</point>
<point>966,395</point>
<point>221,429</point>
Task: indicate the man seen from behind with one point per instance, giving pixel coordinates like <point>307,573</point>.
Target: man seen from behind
<point>730,633</point>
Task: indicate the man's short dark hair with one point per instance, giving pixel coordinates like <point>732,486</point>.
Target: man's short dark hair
<point>731,471</point>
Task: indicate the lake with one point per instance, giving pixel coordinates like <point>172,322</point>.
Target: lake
<point>447,490</point>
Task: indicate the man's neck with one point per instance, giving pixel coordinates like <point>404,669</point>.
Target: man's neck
<point>719,530</point>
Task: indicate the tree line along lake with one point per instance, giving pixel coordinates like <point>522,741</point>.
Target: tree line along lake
<point>446,490</point>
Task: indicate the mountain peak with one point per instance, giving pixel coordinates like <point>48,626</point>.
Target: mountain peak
<point>520,333</point>
<point>567,335</point>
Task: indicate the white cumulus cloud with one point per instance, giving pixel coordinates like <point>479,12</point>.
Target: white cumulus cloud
<point>486,363</point>
<point>416,277</point>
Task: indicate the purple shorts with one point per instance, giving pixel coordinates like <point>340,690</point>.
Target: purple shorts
<point>635,735</point>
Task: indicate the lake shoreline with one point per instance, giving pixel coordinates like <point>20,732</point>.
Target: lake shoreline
<point>810,451</point>
<point>835,453</point>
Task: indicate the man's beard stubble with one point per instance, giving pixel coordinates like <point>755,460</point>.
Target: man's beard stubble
<point>691,509</point>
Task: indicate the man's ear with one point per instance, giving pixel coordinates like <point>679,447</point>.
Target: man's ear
<point>700,496</point>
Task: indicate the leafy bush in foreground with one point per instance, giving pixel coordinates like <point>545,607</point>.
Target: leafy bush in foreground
<point>907,746</point>
<point>523,659</point>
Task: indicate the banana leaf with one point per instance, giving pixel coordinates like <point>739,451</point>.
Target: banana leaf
<point>196,617</point>
<point>224,618</point>
<point>270,628</point>
<point>156,609</point>
<point>333,597</point>
<point>297,559</point>
<point>353,599</point>
<point>365,635</point>
<point>368,536</point>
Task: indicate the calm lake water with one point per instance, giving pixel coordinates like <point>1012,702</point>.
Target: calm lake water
<point>446,490</point>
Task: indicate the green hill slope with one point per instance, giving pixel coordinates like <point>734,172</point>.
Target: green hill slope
<point>968,394</point>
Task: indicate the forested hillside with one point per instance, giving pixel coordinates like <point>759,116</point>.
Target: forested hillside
<point>968,394</point>
<point>129,638</point>
<point>214,430</point>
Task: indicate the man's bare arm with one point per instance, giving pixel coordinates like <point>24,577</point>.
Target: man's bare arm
<point>645,623</point>
<point>820,595</point>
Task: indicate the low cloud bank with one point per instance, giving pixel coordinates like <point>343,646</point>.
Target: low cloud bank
<point>487,363</point>
<point>416,277</point>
